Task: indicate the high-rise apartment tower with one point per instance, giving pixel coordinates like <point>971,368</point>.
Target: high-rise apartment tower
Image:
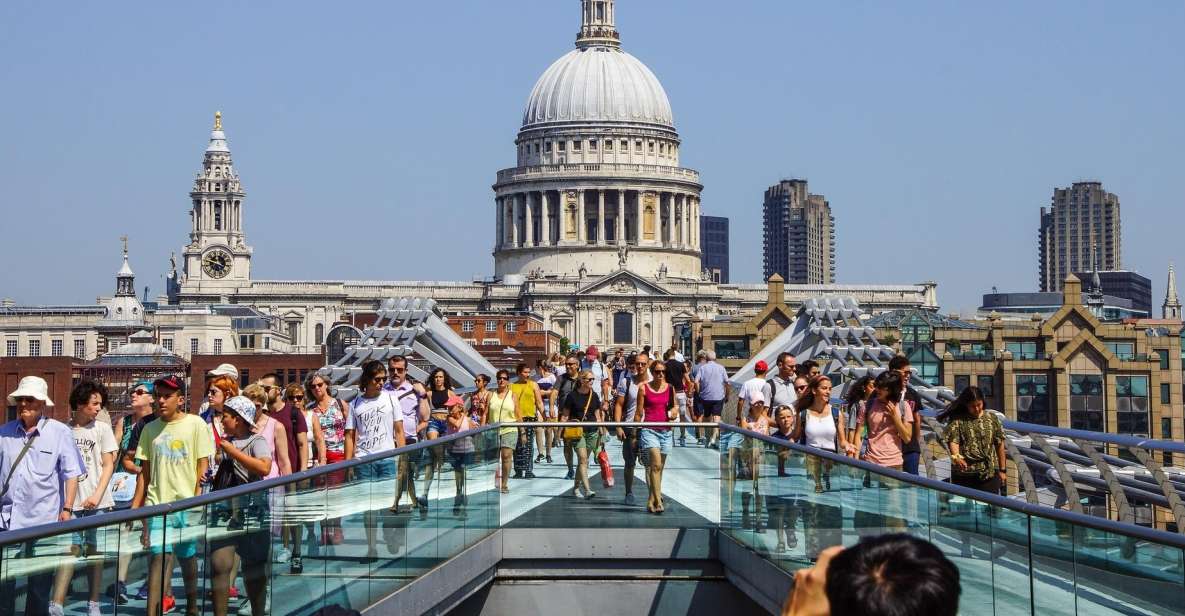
<point>799,235</point>
<point>1079,232</point>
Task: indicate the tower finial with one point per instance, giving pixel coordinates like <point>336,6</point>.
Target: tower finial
<point>217,120</point>
<point>597,18</point>
<point>124,239</point>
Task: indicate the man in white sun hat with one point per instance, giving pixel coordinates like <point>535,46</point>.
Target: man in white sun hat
<point>28,497</point>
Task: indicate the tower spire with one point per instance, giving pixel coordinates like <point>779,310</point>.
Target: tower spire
<point>597,18</point>
<point>217,120</point>
<point>1171,309</point>
<point>125,279</point>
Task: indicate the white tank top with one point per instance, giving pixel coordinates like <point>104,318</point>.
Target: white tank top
<point>820,431</point>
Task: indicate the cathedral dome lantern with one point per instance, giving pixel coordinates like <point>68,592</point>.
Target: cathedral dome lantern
<point>598,169</point>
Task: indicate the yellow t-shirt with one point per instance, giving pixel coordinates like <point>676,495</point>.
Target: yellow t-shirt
<point>173,450</point>
<point>502,411</point>
<point>524,396</point>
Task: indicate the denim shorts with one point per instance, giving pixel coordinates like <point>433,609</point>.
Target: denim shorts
<point>655,439</point>
<point>88,538</point>
<point>439,426</point>
<point>375,471</point>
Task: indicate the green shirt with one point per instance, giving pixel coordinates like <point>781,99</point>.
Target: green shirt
<point>977,439</point>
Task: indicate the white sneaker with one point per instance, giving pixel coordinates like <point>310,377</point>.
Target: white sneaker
<point>56,609</point>
<point>281,555</point>
<point>92,609</point>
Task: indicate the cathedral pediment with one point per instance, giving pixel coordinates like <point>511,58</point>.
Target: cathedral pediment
<point>623,282</point>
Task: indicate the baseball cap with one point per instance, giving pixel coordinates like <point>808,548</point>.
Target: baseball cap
<point>679,357</point>
<point>761,366</point>
<point>453,400</point>
<point>171,381</point>
<point>756,398</point>
<point>225,370</point>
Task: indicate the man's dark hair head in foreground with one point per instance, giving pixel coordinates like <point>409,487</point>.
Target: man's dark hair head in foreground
<point>893,575</point>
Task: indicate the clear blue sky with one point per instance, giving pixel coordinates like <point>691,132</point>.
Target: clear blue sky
<point>367,135</point>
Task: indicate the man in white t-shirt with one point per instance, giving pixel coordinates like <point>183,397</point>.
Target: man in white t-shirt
<point>96,443</point>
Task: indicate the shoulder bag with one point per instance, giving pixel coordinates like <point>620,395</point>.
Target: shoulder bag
<point>575,433</point>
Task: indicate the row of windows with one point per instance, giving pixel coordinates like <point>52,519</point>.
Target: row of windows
<point>592,145</point>
<point>57,348</point>
<point>490,326</point>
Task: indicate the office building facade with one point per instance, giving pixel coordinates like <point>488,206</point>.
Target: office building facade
<point>714,244</point>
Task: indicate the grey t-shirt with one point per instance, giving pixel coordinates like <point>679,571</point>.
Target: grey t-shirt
<point>253,445</point>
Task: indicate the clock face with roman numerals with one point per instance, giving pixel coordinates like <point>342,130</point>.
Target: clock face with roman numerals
<point>217,263</point>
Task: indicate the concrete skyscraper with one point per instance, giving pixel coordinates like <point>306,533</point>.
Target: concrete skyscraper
<point>798,235</point>
<point>1079,232</point>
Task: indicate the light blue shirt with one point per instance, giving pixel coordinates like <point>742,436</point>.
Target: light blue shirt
<point>710,379</point>
<point>35,490</point>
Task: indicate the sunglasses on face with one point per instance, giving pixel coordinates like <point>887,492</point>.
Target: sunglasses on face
<point>318,385</point>
<point>503,378</point>
<point>296,398</point>
<point>140,392</point>
<point>658,372</point>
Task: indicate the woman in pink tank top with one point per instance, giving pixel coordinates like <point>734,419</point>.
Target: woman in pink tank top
<point>658,405</point>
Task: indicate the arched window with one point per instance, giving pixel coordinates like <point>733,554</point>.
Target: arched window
<point>319,334</point>
<point>623,328</point>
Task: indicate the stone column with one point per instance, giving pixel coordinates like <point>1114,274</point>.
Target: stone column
<point>545,217</point>
<point>528,219</point>
<point>601,226</point>
<point>685,237</point>
<point>515,210</point>
<point>581,218</point>
<point>620,235</point>
<point>668,236</point>
<point>500,233</point>
<point>638,221</point>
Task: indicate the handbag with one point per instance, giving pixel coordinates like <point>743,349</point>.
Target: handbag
<point>575,433</point>
<point>606,469</point>
<point>123,486</point>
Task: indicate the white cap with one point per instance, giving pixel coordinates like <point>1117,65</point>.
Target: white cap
<point>756,397</point>
<point>679,357</point>
<point>225,370</point>
<point>31,387</point>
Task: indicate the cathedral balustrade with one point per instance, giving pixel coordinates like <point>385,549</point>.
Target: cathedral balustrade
<point>597,169</point>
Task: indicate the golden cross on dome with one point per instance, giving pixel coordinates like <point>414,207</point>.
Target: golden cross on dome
<point>217,120</point>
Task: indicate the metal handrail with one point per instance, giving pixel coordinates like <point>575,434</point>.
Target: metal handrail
<point>1098,437</point>
<point>130,515</point>
<point>1103,524</point>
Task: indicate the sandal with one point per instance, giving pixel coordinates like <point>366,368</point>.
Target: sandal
<point>505,490</point>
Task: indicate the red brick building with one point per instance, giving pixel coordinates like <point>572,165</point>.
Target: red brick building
<point>58,372</point>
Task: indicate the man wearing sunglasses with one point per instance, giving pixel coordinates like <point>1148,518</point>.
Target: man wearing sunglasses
<point>564,386</point>
<point>625,409</point>
<point>412,399</point>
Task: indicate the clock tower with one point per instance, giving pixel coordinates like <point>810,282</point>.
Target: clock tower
<point>217,259</point>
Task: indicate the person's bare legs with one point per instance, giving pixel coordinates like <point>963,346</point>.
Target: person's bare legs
<point>222,565</point>
<point>507,460</point>
<point>159,565</point>
<point>256,583</point>
<point>189,573</point>
<point>568,453</point>
<point>653,481</point>
<point>657,464</point>
<point>582,470</point>
<point>64,575</point>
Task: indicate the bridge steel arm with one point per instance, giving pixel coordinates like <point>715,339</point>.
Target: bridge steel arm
<point>1170,491</point>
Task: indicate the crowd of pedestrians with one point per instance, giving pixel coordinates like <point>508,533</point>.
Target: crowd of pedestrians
<point>159,453</point>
